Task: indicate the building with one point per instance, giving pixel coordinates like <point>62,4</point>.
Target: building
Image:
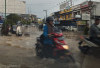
<point>13,6</point>
<point>66,17</point>
<point>85,13</point>
<point>80,15</point>
<point>31,17</point>
<point>56,15</point>
<point>76,14</point>
<point>90,10</point>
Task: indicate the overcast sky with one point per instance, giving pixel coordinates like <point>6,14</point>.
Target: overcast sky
<point>37,6</point>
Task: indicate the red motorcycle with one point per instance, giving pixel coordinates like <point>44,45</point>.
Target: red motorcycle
<point>59,50</point>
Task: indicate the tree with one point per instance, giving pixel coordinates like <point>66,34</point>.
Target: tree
<point>10,20</point>
<point>13,18</point>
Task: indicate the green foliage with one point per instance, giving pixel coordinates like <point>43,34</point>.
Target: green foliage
<point>13,18</point>
<point>23,21</point>
<point>27,22</point>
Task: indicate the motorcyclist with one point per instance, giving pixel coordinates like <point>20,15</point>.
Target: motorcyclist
<point>95,32</point>
<point>47,30</point>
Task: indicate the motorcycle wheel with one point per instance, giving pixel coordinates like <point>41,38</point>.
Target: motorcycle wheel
<point>39,51</point>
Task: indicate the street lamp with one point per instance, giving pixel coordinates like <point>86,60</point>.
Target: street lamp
<point>46,12</point>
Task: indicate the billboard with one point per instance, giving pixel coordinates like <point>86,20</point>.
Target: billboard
<point>85,16</point>
<point>84,4</point>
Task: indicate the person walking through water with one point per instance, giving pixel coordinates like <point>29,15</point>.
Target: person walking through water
<point>19,29</point>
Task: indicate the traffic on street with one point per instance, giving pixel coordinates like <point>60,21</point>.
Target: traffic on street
<point>50,34</point>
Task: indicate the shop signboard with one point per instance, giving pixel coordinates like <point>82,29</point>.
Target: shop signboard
<point>61,12</point>
<point>84,4</point>
<point>85,16</point>
<point>81,22</point>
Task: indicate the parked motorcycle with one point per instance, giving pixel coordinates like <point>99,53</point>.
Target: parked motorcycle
<point>60,50</point>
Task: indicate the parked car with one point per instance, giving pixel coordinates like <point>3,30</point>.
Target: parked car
<point>63,28</point>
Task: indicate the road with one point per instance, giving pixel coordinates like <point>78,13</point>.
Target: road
<point>19,52</point>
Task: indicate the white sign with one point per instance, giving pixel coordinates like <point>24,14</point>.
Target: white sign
<point>78,16</point>
<point>85,16</point>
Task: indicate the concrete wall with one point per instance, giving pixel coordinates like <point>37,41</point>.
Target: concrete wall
<point>13,6</point>
<point>97,13</point>
<point>96,9</point>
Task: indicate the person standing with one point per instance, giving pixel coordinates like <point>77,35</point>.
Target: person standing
<point>19,29</point>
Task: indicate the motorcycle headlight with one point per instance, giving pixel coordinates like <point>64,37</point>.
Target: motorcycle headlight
<point>66,47</point>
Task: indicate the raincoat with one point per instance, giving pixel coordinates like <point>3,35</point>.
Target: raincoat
<point>46,31</point>
<point>19,30</point>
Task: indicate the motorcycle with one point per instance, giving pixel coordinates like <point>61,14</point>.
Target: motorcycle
<point>60,49</point>
<point>85,44</point>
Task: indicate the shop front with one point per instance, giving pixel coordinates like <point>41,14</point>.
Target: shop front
<point>81,25</point>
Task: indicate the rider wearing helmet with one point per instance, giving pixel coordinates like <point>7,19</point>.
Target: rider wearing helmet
<point>47,30</point>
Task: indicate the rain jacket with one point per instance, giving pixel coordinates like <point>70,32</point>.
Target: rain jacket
<point>47,40</point>
<point>19,30</point>
<point>94,31</point>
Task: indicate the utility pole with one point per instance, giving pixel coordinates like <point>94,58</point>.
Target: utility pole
<point>71,3</point>
<point>46,12</point>
<point>4,24</point>
<point>90,12</point>
<point>5,10</point>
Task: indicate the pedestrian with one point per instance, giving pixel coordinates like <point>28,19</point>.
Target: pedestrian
<point>86,30</point>
<point>5,29</point>
<point>19,31</point>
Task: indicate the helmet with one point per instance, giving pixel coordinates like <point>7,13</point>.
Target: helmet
<point>49,19</point>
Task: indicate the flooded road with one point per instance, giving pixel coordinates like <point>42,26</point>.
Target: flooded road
<point>19,52</point>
